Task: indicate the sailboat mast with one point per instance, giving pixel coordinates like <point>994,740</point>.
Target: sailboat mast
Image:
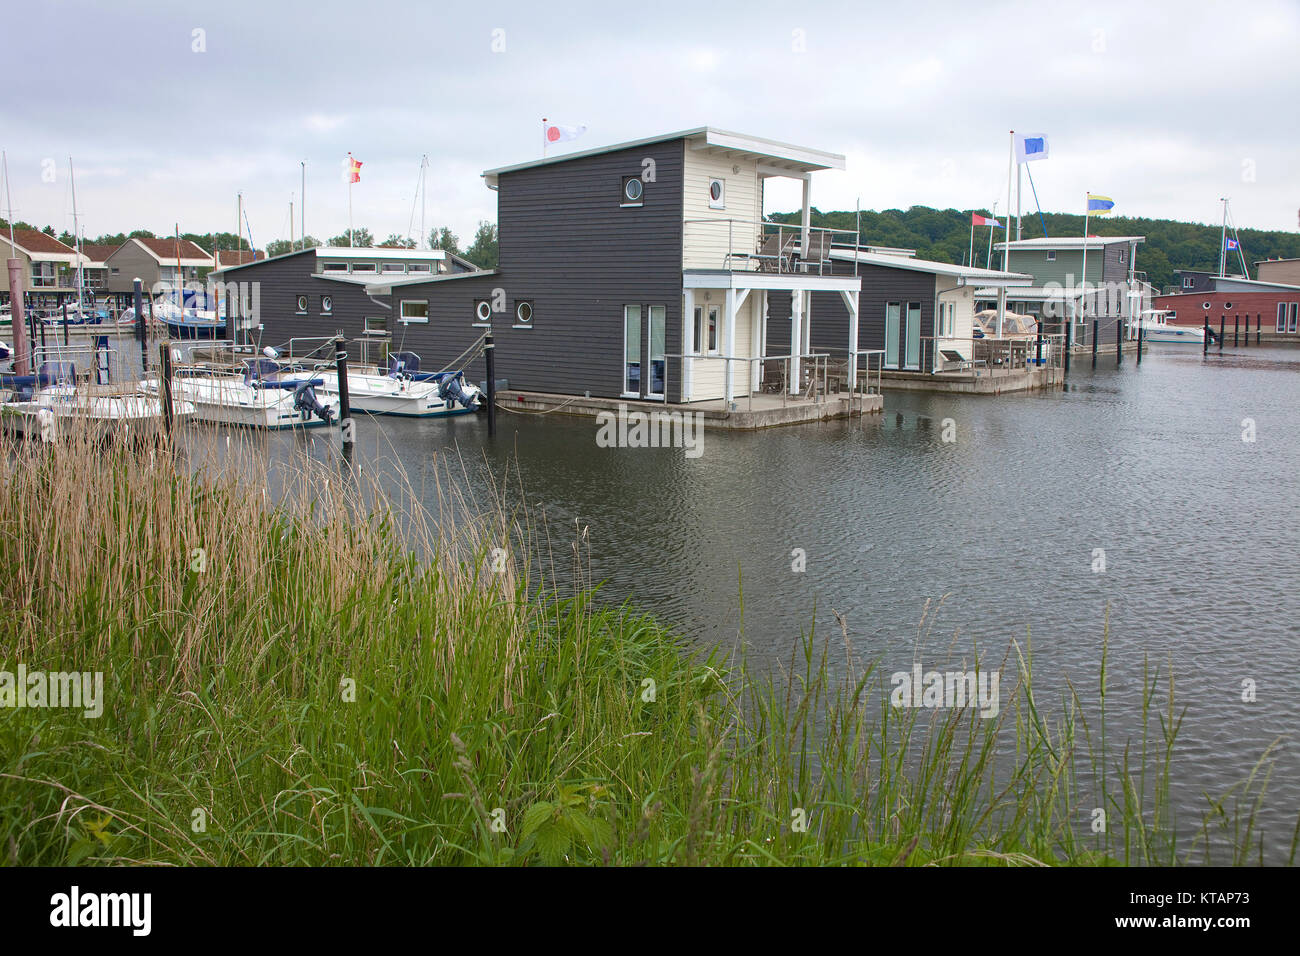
<point>76,237</point>
<point>424,164</point>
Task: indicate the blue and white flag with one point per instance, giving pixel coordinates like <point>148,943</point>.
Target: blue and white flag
<point>1233,245</point>
<point>1030,147</point>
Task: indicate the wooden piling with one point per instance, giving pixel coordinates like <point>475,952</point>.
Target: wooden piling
<point>345,404</point>
<point>1094,343</point>
<point>165,384</point>
<point>489,354</point>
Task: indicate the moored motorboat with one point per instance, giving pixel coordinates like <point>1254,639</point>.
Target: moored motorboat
<point>258,394</point>
<point>1156,328</point>
<point>400,388</point>
<point>52,405</point>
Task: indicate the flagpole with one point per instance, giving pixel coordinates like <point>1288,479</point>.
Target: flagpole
<point>302,212</point>
<point>988,256</point>
<point>1011,158</point>
<point>1083,282</point>
<point>970,254</point>
<point>1223,237</point>
<point>1020,175</point>
<point>543,137</point>
<point>349,200</point>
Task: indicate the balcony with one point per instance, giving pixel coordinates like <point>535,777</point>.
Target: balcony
<point>741,245</point>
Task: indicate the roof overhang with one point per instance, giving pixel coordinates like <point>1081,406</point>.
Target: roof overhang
<point>789,281</point>
<point>778,159</point>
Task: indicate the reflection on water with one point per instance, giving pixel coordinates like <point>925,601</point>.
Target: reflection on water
<point>996,532</point>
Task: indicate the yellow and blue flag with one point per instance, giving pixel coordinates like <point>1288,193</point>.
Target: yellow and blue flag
<point>1099,205</point>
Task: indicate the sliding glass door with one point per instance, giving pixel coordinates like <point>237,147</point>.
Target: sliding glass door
<point>632,350</point>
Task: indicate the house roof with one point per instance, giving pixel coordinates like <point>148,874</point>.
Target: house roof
<point>166,251</point>
<point>39,247</point>
<point>95,254</point>
<point>362,252</point>
<point>780,158</point>
<point>1033,293</point>
<point>236,257</point>
<point>1067,242</point>
<point>1262,261</point>
<point>966,275</point>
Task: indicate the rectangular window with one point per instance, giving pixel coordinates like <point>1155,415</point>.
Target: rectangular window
<point>1281,316</point>
<point>334,267</point>
<point>398,267</point>
<point>418,267</point>
<point>658,317</point>
<point>414,310</point>
<point>1051,255</point>
<point>1291,326</point>
<point>364,267</point>
<point>713,329</point>
<point>115,270</point>
<point>892,314</point>
<point>913,345</point>
<point>632,350</point>
<point>376,325</point>
<point>1123,255</point>
<point>1188,282</point>
<point>698,340</point>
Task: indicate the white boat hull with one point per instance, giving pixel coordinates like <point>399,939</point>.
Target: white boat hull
<point>64,410</point>
<point>1185,335</point>
<point>230,401</point>
<point>383,395</point>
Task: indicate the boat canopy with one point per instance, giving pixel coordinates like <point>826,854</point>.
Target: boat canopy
<point>402,362</point>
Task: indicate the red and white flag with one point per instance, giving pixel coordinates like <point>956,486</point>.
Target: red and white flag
<point>555,133</point>
<point>977,220</point>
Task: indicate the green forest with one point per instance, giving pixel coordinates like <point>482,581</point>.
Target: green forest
<point>943,235</point>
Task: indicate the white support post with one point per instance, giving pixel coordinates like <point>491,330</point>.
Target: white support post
<point>758,318</point>
<point>807,215</point>
<point>851,303</point>
<point>689,345</point>
<point>796,337</point>
<point>731,345</point>
<point>806,325</point>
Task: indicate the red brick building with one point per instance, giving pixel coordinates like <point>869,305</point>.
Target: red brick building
<point>1275,312</point>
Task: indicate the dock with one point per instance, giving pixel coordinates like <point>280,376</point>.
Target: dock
<point>982,381</point>
<point>765,410</point>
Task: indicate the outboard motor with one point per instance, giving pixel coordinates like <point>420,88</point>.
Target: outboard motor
<point>454,387</point>
<point>305,400</point>
<point>5,351</point>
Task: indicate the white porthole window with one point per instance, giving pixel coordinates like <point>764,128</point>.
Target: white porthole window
<point>633,191</point>
<point>524,313</point>
<point>483,311</point>
<point>302,305</point>
<point>326,305</point>
<point>717,194</point>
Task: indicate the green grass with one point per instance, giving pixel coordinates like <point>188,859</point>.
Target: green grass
<point>317,688</point>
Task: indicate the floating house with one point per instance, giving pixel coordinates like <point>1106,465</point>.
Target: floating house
<point>643,270</point>
<point>1272,309</point>
<point>918,313</point>
<point>314,293</point>
<point>1115,287</point>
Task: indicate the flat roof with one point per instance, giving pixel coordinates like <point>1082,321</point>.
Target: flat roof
<point>1032,293</point>
<point>786,156</point>
<point>1066,242</point>
<point>968,274</point>
<point>380,252</point>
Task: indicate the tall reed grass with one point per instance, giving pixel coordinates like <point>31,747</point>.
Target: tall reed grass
<point>322,674</point>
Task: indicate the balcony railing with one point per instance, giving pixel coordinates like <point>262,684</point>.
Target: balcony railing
<point>744,245</point>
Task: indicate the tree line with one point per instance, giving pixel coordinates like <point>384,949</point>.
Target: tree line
<point>943,235</point>
<point>482,250</point>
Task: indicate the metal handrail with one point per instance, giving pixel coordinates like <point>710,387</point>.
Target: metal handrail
<point>818,359</point>
<point>784,261</point>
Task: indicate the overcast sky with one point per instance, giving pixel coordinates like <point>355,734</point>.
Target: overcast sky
<point>1163,106</point>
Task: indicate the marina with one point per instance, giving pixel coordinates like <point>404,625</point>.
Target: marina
<point>686,438</point>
